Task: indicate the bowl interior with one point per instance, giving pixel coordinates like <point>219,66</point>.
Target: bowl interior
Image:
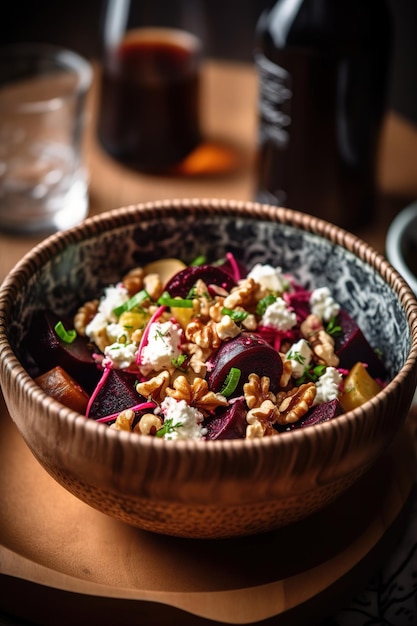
<point>82,262</point>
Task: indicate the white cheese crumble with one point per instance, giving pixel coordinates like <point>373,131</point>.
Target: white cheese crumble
<point>96,327</point>
<point>113,297</point>
<point>117,333</point>
<point>327,386</point>
<point>163,346</point>
<point>121,355</point>
<point>184,421</point>
<point>323,305</point>
<point>226,328</point>
<point>278,315</point>
<point>300,356</point>
<point>269,277</point>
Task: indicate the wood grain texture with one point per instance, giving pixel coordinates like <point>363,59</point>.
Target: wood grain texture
<point>52,539</point>
<point>194,488</point>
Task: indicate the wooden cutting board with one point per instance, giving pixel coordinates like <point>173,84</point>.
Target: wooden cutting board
<point>64,562</point>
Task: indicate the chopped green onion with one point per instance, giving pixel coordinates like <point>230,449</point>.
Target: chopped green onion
<point>311,375</point>
<point>200,260</point>
<point>236,316</point>
<point>179,362</point>
<point>264,303</point>
<point>333,328</point>
<point>67,336</point>
<point>182,303</point>
<point>231,382</point>
<point>130,304</point>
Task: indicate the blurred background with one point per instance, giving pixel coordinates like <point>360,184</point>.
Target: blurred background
<point>226,27</point>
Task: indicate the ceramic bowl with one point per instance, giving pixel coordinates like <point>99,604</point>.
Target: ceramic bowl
<point>219,488</point>
<point>401,244</point>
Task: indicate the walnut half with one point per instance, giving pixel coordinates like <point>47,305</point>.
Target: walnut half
<point>196,394</point>
<point>296,403</point>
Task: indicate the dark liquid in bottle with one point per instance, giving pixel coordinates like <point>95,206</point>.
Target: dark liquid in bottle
<point>321,104</point>
<point>149,103</point>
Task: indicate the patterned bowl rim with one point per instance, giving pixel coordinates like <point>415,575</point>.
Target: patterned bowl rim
<point>11,367</point>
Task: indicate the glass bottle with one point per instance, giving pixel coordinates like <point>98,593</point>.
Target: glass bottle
<point>149,115</point>
<point>323,69</point>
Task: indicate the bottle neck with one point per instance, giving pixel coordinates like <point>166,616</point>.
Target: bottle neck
<point>324,25</point>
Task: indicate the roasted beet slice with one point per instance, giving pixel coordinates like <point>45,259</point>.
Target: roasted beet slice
<point>181,284</point>
<point>300,302</point>
<point>229,422</point>
<point>249,353</point>
<point>352,346</point>
<point>318,414</point>
<point>231,268</point>
<point>118,393</point>
<point>48,350</point>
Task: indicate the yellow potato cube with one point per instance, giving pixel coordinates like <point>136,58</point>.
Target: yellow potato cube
<point>165,268</point>
<point>133,320</point>
<point>359,387</point>
<point>183,315</point>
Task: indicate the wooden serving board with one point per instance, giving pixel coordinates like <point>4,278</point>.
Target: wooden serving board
<point>63,562</point>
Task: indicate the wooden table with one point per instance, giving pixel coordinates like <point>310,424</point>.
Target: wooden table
<point>34,533</point>
<point>224,165</point>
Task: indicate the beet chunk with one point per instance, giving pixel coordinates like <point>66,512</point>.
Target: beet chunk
<point>300,302</point>
<point>352,346</point>
<point>229,422</point>
<point>249,353</point>
<point>317,415</point>
<point>117,394</point>
<point>181,284</point>
<point>48,350</point>
<point>227,267</point>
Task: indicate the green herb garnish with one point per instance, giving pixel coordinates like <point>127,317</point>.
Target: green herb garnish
<point>311,375</point>
<point>200,260</point>
<point>182,303</point>
<point>161,335</point>
<point>333,328</point>
<point>179,362</point>
<point>167,428</point>
<point>296,356</point>
<point>264,303</point>
<point>133,302</point>
<point>67,336</point>
<point>231,382</point>
<point>236,316</point>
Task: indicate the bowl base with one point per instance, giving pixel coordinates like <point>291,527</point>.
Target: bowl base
<point>83,561</point>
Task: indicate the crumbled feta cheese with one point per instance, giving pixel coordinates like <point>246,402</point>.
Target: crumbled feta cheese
<point>113,297</point>
<point>96,327</point>
<point>323,305</point>
<point>116,333</point>
<point>328,386</point>
<point>278,315</point>
<point>121,355</point>
<point>184,420</point>
<point>226,328</point>
<point>164,346</point>
<point>300,356</point>
<point>269,277</point>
